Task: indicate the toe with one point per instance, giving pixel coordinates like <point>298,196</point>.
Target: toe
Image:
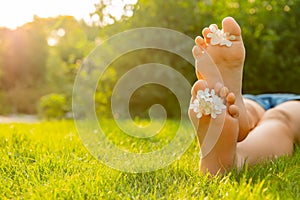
<point>197,52</point>
<point>200,42</point>
<point>230,99</point>
<point>230,26</point>
<point>206,31</point>
<point>233,110</point>
<point>199,85</point>
<point>218,87</point>
<point>224,92</point>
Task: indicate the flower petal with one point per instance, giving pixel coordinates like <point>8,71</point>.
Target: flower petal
<point>231,37</point>
<point>212,28</point>
<point>228,43</point>
<point>207,103</point>
<point>214,41</point>
<point>210,35</point>
<point>213,115</point>
<point>199,115</point>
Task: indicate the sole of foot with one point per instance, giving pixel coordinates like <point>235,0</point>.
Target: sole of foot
<point>215,61</point>
<point>222,156</point>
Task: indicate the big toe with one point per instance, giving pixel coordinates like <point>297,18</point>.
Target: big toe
<point>230,26</point>
<point>199,85</point>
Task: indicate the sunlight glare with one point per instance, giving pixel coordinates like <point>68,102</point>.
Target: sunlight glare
<point>14,13</point>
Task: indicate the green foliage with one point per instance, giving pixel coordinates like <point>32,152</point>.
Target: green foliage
<point>269,32</point>
<point>3,101</point>
<point>66,53</point>
<point>48,161</point>
<point>31,68</point>
<point>146,96</point>
<point>52,106</point>
<point>104,93</point>
<point>23,54</point>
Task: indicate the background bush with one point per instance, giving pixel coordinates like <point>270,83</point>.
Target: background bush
<point>270,33</point>
<point>52,106</point>
<point>30,68</point>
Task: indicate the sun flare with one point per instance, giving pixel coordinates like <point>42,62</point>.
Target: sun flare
<point>14,13</point>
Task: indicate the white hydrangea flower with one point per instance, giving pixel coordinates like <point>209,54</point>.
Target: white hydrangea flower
<point>207,103</point>
<point>218,37</point>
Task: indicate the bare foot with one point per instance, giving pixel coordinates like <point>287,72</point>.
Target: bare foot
<point>222,155</point>
<point>213,61</point>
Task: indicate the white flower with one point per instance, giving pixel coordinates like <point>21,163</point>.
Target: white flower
<point>218,106</point>
<point>195,105</point>
<point>203,94</point>
<point>207,103</point>
<point>196,108</point>
<point>218,37</point>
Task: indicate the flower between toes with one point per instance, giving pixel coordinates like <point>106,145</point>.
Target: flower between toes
<point>218,37</point>
<point>207,103</point>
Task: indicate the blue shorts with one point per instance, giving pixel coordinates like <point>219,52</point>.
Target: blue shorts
<point>268,101</point>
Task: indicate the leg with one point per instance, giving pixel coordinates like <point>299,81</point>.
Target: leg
<point>254,112</point>
<point>274,136</point>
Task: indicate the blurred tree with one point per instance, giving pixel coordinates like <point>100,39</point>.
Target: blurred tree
<point>104,11</point>
<point>23,56</point>
<point>68,45</point>
<point>267,26</point>
<point>52,106</point>
<point>270,31</point>
<point>30,47</point>
<point>38,58</point>
<point>146,14</point>
<point>44,56</point>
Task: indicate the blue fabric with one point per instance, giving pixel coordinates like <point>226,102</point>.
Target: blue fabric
<point>268,101</point>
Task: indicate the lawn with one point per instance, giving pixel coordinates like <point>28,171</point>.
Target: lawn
<point>47,160</point>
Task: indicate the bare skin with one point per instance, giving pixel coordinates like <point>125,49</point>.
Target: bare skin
<point>222,155</point>
<point>274,136</point>
<point>250,134</point>
<point>229,61</point>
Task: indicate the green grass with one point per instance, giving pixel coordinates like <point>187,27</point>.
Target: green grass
<point>48,161</point>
